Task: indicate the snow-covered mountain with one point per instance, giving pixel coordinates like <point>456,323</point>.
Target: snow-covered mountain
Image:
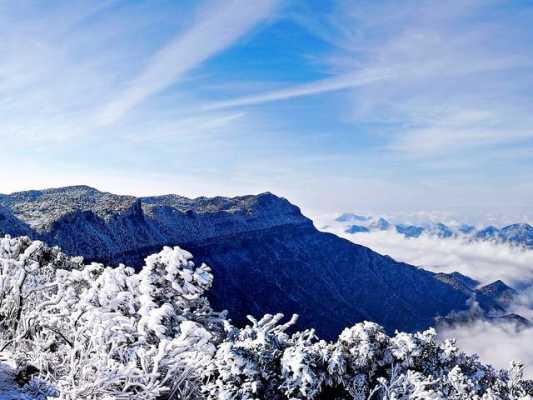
<point>266,256</point>
<point>516,234</point>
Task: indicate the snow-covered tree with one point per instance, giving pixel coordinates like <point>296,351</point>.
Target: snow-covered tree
<point>99,332</point>
<point>77,331</point>
<point>262,361</point>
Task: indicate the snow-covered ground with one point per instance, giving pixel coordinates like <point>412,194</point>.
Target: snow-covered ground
<point>11,390</point>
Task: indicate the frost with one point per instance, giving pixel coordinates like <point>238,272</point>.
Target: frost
<point>96,332</point>
<point>76,331</point>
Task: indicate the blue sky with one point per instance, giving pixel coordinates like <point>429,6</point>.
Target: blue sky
<point>337,105</point>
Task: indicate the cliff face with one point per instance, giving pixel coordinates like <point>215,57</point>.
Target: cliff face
<point>266,256</point>
<point>111,228</point>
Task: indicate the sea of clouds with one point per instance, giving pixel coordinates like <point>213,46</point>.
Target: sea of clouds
<point>482,260</point>
<point>497,343</point>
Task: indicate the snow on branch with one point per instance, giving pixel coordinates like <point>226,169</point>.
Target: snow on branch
<point>75,331</point>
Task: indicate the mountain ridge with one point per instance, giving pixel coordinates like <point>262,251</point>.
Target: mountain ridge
<point>266,255</point>
<point>517,234</point>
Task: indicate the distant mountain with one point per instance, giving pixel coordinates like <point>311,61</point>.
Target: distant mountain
<point>466,229</point>
<point>519,234</point>
<point>486,296</point>
<point>466,318</point>
<point>266,256</point>
<point>499,292</point>
<point>442,230</point>
<point>382,225</point>
<point>488,233</point>
<point>463,279</point>
<point>458,281</point>
<point>409,230</point>
<point>357,229</point>
<point>349,217</point>
<point>516,234</point>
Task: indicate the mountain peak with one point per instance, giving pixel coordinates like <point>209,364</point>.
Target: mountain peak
<point>499,292</point>
<point>496,286</point>
<point>57,190</point>
<point>517,229</point>
<point>521,226</point>
<point>41,209</point>
<point>351,217</point>
<point>382,224</point>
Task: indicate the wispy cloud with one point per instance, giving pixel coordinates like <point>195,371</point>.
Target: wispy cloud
<point>69,69</point>
<point>420,105</point>
<point>218,26</point>
<point>348,81</point>
<point>447,77</point>
<point>57,67</point>
<point>188,128</point>
<point>460,70</point>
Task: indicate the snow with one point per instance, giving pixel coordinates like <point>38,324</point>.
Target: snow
<point>95,332</point>
<point>11,390</point>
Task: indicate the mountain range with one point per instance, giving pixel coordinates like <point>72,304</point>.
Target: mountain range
<point>266,256</point>
<point>520,234</point>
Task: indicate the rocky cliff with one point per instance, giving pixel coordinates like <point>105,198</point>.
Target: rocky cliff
<point>266,256</point>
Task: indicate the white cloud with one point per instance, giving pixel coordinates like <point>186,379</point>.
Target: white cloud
<point>186,128</point>
<point>481,260</point>
<point>498,344</point>
<point>459,74</point>
<point>448,76</point>
<point>62,63</point>
<point>347,81</point>
<point>68,67</point>
<point>219,25</point>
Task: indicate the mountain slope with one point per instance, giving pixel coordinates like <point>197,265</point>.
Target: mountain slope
<point>266,256</point>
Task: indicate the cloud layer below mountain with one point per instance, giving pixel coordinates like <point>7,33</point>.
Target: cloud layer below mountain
<point>483,261</point>
<point>497,344</point>
<point>486,262</point>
